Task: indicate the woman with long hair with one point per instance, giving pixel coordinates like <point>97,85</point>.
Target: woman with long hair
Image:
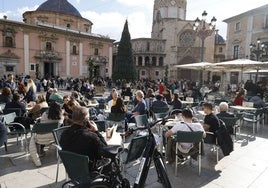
<point>30,91</point>
<point>176,102</point>
<point>240,97</point>
<point>119,107</point>
<point>35,112</point>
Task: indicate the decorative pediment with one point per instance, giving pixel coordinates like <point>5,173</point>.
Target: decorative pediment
<point>9,55</point>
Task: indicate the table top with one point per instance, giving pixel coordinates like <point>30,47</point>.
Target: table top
<point>115,140</point>
<point>243,108</point>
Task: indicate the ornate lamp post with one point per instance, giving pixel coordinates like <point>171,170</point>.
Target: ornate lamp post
<point>257,51</point>
<point>203,32</point>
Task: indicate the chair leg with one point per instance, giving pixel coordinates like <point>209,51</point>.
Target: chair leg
<point>176,160</point>
<point>199,159</point>
<point>57,172</point>
<point>5,146</point>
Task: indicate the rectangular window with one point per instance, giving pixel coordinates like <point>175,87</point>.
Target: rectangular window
<point>237,26</point>
<point>9,68</point>
<point>48,46</point>
<point>220,50</point>
<point>266,22</point>
<point>236,51</point>
<point>156,73</point>
<point>96,51</point>
<point>32,67</point>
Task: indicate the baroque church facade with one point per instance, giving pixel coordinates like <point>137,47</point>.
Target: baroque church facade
<point>173,42</point>
<point>53,40</point>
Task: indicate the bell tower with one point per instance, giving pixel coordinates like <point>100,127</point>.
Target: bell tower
<point>165,10</point>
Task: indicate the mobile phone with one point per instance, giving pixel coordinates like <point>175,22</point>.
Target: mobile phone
<point>87,124</point>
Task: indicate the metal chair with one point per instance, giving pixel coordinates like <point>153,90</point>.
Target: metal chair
<point>231,124</point>
<point>255,118</point>
<point>194,137</point>
<point>77,168</point>
<point>57,135</point>
<point>211,138</point>
<point>14,128</point>
<point>141,120</point>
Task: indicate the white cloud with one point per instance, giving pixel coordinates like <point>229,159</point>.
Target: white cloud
<point>112,23</point>
<point>17,15</point>
<point>141,3</point>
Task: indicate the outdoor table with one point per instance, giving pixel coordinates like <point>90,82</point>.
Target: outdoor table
<point>92,104</point>
<point>243,108</point>
<point>115,139</point>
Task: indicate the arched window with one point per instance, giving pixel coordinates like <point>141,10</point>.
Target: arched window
<point>74,49</point>
<point>154,61</point>
<point>140,61</point>
<point>161,61</point>
<point>147,61</point>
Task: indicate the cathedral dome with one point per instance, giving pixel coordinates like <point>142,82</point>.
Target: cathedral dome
<point>62,6</point>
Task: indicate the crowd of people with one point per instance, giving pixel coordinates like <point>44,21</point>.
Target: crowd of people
<point>143,94</point>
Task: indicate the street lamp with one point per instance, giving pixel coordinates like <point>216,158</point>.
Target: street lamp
<point>257,50</point>
<point>203,32</point>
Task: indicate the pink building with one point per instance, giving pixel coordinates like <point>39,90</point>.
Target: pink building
<point>53,40</point>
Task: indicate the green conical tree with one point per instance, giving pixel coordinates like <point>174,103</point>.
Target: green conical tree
<point>124,67</point>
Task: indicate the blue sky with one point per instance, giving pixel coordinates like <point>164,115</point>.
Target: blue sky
<point>108,16</point>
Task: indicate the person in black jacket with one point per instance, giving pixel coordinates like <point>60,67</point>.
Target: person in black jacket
<point>119,107</point>
<point>83,136</point>
<point>16,103</point>
<point>211,121</point>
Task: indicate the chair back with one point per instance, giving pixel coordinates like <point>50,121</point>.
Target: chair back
<point>41,128</point>
<point>9,118</point>
<point>141,120</point>
<point>175,112</point>
<point>76,165</point>
<point>136,148</point>
<point>44,109</point>
<point>58,132</point>
<point>230,122</point>
<point>159,109</point>
<point>189,137</point>
<point>158,116</point>
<point>16,110</point>
<point>117,117</point>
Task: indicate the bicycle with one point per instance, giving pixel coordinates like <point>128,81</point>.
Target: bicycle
<point>114,177</point>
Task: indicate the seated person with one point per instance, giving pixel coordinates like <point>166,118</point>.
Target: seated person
<point>83,136</point>
<point>35,112</point>
<point>139,109</point>
<point>223,107</point>
<point>159,102</point>
<point>240,97</point>
<point>6,95</point>
<point>119,107</point>
<point>112,102</point>
<point>79,98</point>
<point>211,121</point>
<point>186,125</point>
<point>176,102</point>
<point>53,114</point>
<point>55,96</point>
<point>257,101</point>
<point>16,103</point>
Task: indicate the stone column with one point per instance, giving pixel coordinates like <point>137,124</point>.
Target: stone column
<point>26,54</point>
<point>67,58</point>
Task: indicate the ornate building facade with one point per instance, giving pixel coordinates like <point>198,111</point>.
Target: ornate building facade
<point>173,42</point>
<point>53,40</point>
<point>242,31</point>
